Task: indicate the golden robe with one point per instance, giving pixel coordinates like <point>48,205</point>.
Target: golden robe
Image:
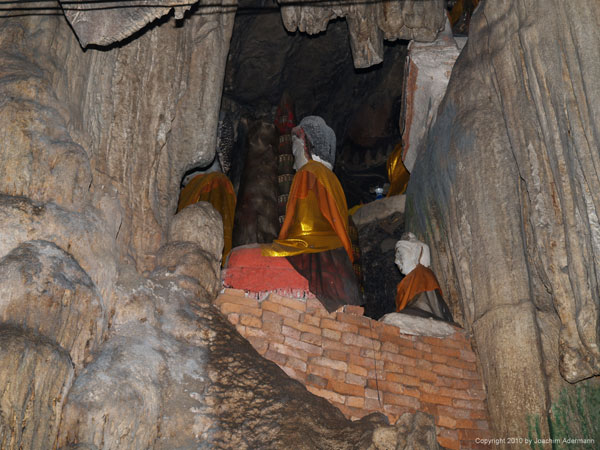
<point>316,218</point>
<point>420,279</point>
<point>216,189</point>
<point>397,173</point>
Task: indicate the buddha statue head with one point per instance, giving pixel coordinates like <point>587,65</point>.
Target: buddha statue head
<point>410,252</point>
<point>313,139</point>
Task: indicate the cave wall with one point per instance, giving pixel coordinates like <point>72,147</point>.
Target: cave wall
<point>107,331</point>
<point>506,192</point>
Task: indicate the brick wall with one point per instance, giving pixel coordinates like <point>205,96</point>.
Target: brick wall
<point>362,366</point>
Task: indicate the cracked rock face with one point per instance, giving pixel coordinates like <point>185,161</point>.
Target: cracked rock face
<point>511,214</point>
<point>369,23</point>
<point>108,338</point>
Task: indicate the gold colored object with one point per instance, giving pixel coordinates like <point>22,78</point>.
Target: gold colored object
<point>397,173</point>
<point>216,189</point>
<point>316,217</point>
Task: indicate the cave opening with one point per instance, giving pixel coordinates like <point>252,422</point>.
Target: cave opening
<point>362,106</point>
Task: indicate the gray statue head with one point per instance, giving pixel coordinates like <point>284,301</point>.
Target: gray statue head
<point>321,141</point>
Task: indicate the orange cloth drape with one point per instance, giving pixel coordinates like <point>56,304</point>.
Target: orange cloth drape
<point>420,279</point>
<point>216,189</point>
<point>397,173</point>
<point>316,217</point>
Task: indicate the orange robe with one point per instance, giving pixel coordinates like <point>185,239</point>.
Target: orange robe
<point>420,279</point>
<point>397,173</point>
<point>316,218</point>
<point>216,189</point>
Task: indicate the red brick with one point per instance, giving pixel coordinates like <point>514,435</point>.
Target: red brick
<point>337,355</point>
<point>357,370</point>
<point>374,394</point>
<point>298,305</point>
<point>271,317</point>
<point>360,321</point>
<point>436,358</point>
<point>396,410</point>
<point>370,333</point>
<point>469,404</point>
<point>436,399</point>
<point>228,308</point>
<point>401,400</point>
<point>309,348</point>
<point>405,380</point>
<point>276,357</point>
<point>423,347</point>
<point>389,347</point>
<point>311,338</point>
<point>461,364</point>
<point>451,352</point>
<point>331,334</point>
<point>289,351</point>
<point>303,327</point>
<point>479,414</point>
<point>424,364</point>
<point>355,379</point>
<point>445,421</point>
<point>460,336</point>
<point>236,300</point>
<point>373,404</point>
<point>398,359</point>
<point>328,344</point>
<point>356,360</point>
<point>438,342</point>
<point>429,388</point>
<point>393,367</point>
<point>369,353</point>
<point>471,435</point>
<point>291,332</point>
<point>345,388</point>
<point>451,444</point>
<point>401,340</point>
<point>314,306</point>
<point>453,383</point>
<point>468,355</point>
<point>310,319</point>
<point>255,332</point>
<point>326,362</point>
<point>412,353</point>
<point>251,321</point>
<point>338,326</point>
<point>447,433</point>
<point>260,344</point>
<point>466,424</point>
<point>296,363</point>
<point>241,329</point>
<point>234,292</point>
<point>268,305</point>
<point>327,394</point>
<point>316,380</point>
<point>457,413</point>
<point>482,424</point>
<point>447,371</point>
<point>389,329</point>
<point>376,375</point>
<point>355,402</point>
<point>273,328</point>
<point>470,375</point>
<point>326,372</point>
<point>422,374</point>
<point>295,374</point>
<point>360,341</point>
<point>457,393</point>
<point>353,309</point>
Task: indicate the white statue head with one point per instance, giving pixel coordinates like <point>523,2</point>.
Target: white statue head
<point>313,137</point>
<point>410,252</point>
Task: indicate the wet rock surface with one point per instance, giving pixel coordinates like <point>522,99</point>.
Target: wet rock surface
<point>513,228</point>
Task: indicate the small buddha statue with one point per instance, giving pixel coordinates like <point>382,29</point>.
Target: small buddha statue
<point>419,292</point>
<point>210,184</point>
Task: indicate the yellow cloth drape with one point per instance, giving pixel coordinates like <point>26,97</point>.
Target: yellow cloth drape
<point>420,279</point>
<point>397,173</point>
<point>316,217</point>
<point>216,189</point>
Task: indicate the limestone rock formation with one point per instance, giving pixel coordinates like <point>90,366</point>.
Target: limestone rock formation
<point>369,23</point>
<point>507,192</point>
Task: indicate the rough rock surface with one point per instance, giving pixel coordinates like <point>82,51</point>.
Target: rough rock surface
<point>369,23</point>
<point>94,146</point>
<point>506,194</point>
